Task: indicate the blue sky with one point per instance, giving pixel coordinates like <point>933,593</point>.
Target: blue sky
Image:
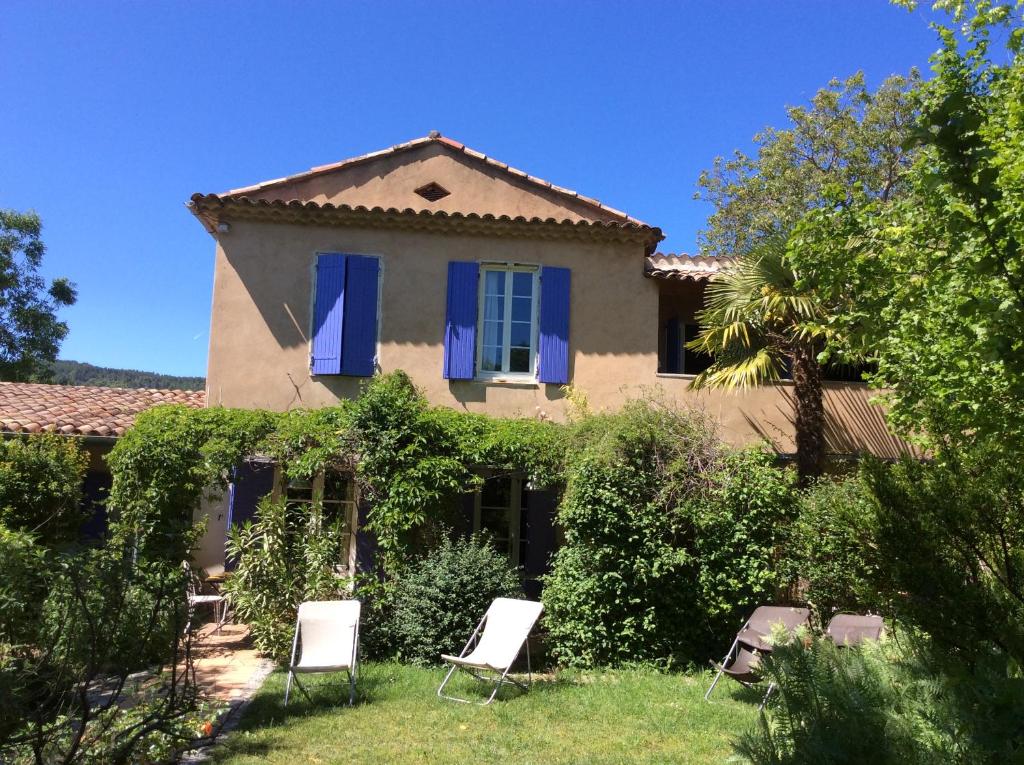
<point>114,113</point>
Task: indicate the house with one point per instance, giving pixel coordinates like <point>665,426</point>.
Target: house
<point>96,416</point>
<point>491,288</point>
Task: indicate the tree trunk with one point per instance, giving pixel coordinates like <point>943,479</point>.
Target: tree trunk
<point>810,414</point>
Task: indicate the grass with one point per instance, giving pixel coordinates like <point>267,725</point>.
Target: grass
<point>596,718</point>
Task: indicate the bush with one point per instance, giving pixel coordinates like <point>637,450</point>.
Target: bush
<point>829,553</point>
<point>23,586</point>
<point>440,598</point>
<point>620,589</point>
<point>668,537</point>
<point>284,557</point>
<point>950,541</point>
<point>739,530</point>
<point>41,487</point>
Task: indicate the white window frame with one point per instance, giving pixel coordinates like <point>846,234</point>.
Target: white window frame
<point>346,567</point>
<point>506,340</point>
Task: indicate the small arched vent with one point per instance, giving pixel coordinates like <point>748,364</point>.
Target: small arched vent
<point>433,191</point>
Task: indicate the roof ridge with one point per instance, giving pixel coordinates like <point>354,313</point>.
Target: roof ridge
<point>434,137</point>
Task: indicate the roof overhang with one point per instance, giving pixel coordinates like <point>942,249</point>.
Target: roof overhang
<point>685,268</point>
<point>214,209</point>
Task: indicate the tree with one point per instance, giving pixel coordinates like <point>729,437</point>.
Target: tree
<point>756,323</point>
<point>764,317</point>
<point>30,333</point>
<point>933,283</point>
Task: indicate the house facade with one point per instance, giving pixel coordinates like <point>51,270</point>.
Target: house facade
<point>492,289</point>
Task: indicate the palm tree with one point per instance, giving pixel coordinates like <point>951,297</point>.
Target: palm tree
<point>757,324</point>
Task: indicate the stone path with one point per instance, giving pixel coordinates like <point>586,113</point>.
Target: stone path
<point>225,662</point>
<point>227,669</point>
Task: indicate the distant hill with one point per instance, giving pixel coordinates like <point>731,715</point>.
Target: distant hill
<point>79,373</point>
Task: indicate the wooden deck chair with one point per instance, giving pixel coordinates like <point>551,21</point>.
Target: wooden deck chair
<point>329,633</point>
<point>496,643</point>
<point>854,629</point>
<point>742,661</point>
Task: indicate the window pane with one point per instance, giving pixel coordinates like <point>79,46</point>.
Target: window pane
<point>520,335</point>
<point>337,486</point>
<point>522,284</point>
<point>494,282</point>
<point>496,523</point>
<point>496,492</point>
<point>519,360</point>
<point>522,309</point>
<point>494,307</point>
<point>492,333</point>
<point>491,360</point>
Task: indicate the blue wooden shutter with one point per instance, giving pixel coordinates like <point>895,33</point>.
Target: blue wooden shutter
<point>359,327</point>
<point>460,320</point>
<point>673,346</point>
<point>553,365</point>
<point>328,310</point>
<point>250,482</point>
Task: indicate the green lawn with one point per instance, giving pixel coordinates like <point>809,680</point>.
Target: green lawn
<point>606,717</point>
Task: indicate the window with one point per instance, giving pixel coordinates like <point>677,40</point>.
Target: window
<point>507,335</point>
<point>694,362</point>
<point>500,512</point>
<point>336,493</point>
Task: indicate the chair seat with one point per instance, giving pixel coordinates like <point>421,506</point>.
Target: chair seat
<point>205,598</point>
<point>470,661</point>
<point>310,668</point>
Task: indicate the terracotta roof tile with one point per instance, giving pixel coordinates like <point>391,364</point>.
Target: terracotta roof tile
<point>209,207</point>
<point>79,410</point>
<point>450,143</point>
<point>683,267</point>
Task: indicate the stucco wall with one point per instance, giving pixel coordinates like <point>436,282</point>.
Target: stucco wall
<point>259,340</point>
<point>473,186</point>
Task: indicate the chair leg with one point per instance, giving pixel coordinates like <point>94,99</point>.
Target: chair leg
<point>440,690</point>
<point>721,668</point>
<point>529,669</point>
<point>718,676</point>
<point>288,687</point>
<point>351,687</point>
<point>771,687</point>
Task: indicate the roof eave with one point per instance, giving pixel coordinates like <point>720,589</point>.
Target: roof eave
<point>212,209</point>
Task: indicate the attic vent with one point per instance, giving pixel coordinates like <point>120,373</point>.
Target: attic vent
<point>432,192</point>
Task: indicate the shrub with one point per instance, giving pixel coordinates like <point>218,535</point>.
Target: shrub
<point>739,530</point>
<point>950,540</point>
<point>23,586</point>
<point>41,486</point>
<point>668,537</point>
<point>621,588</point>
<point>829,553</point>
<point>284,557</point>
<point>441,597</point>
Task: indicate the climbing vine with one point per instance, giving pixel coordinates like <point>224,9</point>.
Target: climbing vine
<point>411,460</point>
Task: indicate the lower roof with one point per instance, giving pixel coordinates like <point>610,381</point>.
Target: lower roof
<point>82,410</point>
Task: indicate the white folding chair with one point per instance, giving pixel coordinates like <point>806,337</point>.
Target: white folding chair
<point>496,643</point>
<point>329,632</point>
<point>219,602</point>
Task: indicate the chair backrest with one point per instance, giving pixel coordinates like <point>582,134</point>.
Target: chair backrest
<point>327,630</point>
<point>766,617</point>
<point>853,629</point>
<point>508,624</point>
<point>192,581</point>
